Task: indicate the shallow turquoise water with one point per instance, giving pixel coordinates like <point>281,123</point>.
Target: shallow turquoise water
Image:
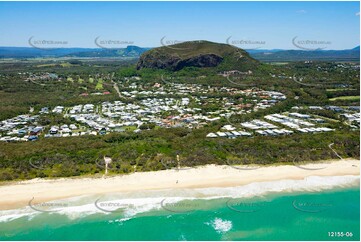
<point>275,216</point>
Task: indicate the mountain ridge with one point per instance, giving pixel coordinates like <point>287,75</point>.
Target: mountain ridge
<point>136,51</point>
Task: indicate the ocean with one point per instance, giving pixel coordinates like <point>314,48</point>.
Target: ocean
<point>316,208</point>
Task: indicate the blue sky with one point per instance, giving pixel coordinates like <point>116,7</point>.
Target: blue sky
<point>269,24</point>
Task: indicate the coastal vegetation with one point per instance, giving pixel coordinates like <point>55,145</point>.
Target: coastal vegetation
<point>158,150</point>
<point>22,87</point>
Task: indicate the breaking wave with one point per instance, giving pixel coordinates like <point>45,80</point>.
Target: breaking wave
<point>130,204</point>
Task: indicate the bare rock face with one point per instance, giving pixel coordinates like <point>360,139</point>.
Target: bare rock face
<point>176,63</point>
<point>156,61</point>
<point>206,60</point>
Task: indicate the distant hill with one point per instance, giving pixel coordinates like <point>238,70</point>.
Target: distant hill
<point>129,51</point>
<point>273,55</point>
<point>30,52</point>
<point>197,54</point>
<point>252,51</point>
<point>304,55</point>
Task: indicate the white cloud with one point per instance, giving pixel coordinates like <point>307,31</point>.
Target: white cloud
<point>358,14</point>
<point>301,11</point>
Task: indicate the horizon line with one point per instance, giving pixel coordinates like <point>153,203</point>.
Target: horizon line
<point>98,48</point>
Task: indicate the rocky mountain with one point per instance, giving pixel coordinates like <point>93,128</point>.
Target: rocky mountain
<point>197,54</point>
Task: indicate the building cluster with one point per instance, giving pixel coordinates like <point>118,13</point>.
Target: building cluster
<point>353,119</point>
<point>87,108</point>
<point>20,128</point>
<point>351,114</point>
<point>41,76</point>
<point>165,105</point>
<point>299,124</point>
<point>228,131</point>
<point>261,127</point>
<point>290,121</point>
<point>276,124</point>
<point>180,89</point>
<point>97,124</point>
<point>175,105</point>
<point>167,112</point>
<point>158,90</point>
<point>66,130</point>
<point>58,109</point>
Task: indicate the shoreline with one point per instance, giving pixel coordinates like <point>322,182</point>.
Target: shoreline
<point>17,195</point>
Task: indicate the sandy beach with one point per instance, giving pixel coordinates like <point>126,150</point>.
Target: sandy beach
<point>16,195</point>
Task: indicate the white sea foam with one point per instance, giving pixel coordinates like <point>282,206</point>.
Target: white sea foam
<point>8,215</point>
<point>311,184</point>
<point>221,226</point>
<point>133,203</point>
<point>120,221</point>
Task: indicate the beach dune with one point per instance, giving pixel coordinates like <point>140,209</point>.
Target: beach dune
<point>16,195</point>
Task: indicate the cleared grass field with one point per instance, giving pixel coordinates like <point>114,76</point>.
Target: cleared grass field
<point>46,65</point>
<point>349,98</point>
<point>99,85</point>
<point>64,64</point>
